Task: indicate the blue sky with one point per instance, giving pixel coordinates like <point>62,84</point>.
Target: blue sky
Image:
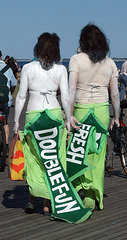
<point>23,21</point>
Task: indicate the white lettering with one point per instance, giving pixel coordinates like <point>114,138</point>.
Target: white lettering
<point>68,207</point>
<point>59,188</point>
<point>79,149</point>
<point>53,170</point>
<point>59,199</point>
<point>86,126</point>
<point>82,133</point>
<point>79,141</point>
<point>57,178</point>
<point>47,144</point>
<point>74,155</point>
<point>38,134</point>
<point>52,163</point>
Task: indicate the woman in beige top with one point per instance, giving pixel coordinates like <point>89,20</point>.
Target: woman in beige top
<point>91,76</point>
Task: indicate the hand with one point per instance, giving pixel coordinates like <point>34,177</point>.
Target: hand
<point>16,127</point>
<point>74,121</point>
<point>113,122</point>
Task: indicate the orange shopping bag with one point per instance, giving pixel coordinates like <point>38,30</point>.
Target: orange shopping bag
<point>16,159</point>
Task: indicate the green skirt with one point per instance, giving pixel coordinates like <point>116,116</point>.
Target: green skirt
<point>34,172</point>
<point>92,181</point>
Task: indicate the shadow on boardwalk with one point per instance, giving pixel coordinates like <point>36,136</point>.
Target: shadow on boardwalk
<point>110,223</point>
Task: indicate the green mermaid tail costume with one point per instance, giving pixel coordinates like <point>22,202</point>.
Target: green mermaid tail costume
<point>44,145</point>
<point>92,181</point>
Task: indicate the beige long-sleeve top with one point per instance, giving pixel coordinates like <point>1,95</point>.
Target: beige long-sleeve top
<point>93,79</point>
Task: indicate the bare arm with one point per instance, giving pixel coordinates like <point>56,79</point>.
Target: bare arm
<point>20,99</point>
<point>65,98</point>
<point>73,78</point>
<point>113,87</point>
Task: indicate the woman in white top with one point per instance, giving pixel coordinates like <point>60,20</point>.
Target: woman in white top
<point>91,76</point>
<point>41,79</point>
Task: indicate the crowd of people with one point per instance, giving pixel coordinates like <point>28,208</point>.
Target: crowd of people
<point>85,102</point>
<point>11,84</point>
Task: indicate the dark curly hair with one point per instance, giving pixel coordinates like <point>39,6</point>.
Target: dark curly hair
<point>11,63</point>
<point>47,49</point>
<point>93,42</point>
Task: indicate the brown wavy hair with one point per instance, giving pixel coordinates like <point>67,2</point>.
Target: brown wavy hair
<point>47,49</point>
<point>94,43</point>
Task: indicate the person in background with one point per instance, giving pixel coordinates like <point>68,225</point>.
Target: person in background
<point>91,73</point>
<point>11,83</point>
<point>16,71</point>
<point>41,79</point>
<point>6,58</point>
<point>12,64</point>
<point>123,80</point>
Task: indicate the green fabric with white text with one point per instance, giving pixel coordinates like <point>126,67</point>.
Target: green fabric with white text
<point>92,180</point>
<point>88,139</point>
<point>43,131</point>
<point>33,168</point>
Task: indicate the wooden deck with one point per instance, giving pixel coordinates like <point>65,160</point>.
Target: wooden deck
<point>110,223</point>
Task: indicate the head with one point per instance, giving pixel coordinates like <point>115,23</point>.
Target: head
<point>6,58</point>
<point>12,65</point>
<point>47,49</point>
<point>93,42</point>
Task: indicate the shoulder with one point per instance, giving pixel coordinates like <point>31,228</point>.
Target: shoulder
<point>8,69</point>
<point>79,58</point>
<point>30,67</point>
<point>76,61</point>
<point>2,64</point>
<point>74,58</point>
<point>60,67</point>
<point>111,65</point>
<point>35,66</point>
<point>111,62</point>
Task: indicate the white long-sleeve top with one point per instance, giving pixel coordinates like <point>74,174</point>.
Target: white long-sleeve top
<point>42,86</point>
